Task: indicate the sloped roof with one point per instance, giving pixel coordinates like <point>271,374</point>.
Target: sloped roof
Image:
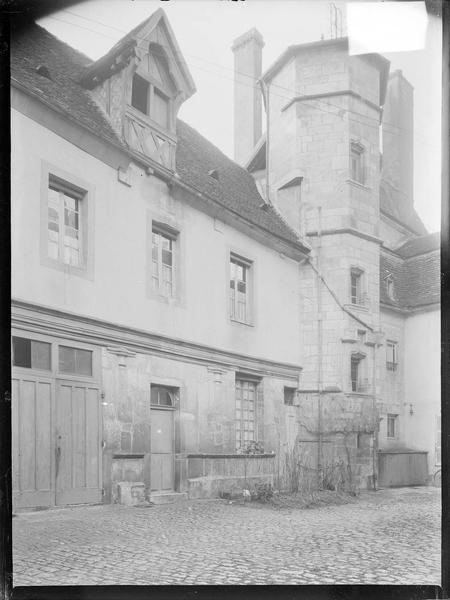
<point>34,46</point>
<point>401,212</point>
<point>235,188</point>
<point>195,156</point>
<point>415,268</point>
<point>420,245</point>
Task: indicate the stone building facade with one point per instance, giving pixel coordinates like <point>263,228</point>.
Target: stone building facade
<point>185,326</point>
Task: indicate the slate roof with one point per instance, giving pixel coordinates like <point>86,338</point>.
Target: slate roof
<point>415,268</point>
<point>195,157</point>
<point>235,187</point>
<point>34,46</point>
<point>400,211</point>
<point>420,245</point>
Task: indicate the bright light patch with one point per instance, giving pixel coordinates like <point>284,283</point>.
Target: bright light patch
<point>386,26</point>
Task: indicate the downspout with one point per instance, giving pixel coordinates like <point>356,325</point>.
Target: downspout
<point>319,350</point>
<point>265,93</point>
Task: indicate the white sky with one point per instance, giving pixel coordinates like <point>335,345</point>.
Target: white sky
<point>205,30</point>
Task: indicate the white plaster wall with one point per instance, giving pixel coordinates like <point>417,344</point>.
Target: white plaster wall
<point>422,380</point>
<point>118,291</point>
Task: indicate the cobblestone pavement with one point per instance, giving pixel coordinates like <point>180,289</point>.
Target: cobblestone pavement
<point>385,537</point>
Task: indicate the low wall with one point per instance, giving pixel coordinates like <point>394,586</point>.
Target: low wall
<point>213,475</point>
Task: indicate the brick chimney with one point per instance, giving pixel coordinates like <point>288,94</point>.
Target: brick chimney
<point>247,51</point>
<point>398,139</point>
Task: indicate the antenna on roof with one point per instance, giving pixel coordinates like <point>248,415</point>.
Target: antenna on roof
<point>336,25</point>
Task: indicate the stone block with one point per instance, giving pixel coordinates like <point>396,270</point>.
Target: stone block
<point>131,494</point>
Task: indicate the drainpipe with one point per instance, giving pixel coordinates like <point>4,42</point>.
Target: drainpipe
<point>376,425</point>
<point>319,349</point>
<point>265,93</point>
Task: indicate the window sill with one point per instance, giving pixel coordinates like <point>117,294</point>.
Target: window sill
<point>357,307</point>
<point>357,184</point>
<point>82,271</point>
<point>244,323</point>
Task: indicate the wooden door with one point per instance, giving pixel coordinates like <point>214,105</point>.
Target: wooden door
<point>77,443</point>
<point>32,441</point>
<point>162,458</point>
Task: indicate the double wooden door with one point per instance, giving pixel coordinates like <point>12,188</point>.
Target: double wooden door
<point>57,432</point>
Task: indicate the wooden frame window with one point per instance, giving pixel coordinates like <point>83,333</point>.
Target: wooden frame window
<point>357,163</point>
<point>152,88</point>
<point>64,223</point>
<point>31,354</point>
<point>391,356</point>
<point>391,426</point>
<point>163,260</point>
<point>75,361</point>
<point>239,289</point>
<point>246,412</point>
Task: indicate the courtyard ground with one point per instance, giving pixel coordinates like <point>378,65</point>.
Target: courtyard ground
<point>385,537</point>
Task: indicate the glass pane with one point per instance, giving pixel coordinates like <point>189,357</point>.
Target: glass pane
<point>167,257</point>
<point>75,361</point>
<point>159,111</point>
<point>21,352</point>
<point>70,203</point>
<point>66,359</point>
<point>83,362</point>
<point>40,355</point>
<point>53,197</point>
<point>139,93</point>
<point>165,399</point>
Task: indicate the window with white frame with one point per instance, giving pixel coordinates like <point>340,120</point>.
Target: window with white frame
<point>357,295</point>
<point>391,356</point>
<point>163,260</point>
<point>392,425</point>
<point>438,441</point>
<point>246,404</point>
<point>239,289</point>
<point>357,163</point>
<point>64,223</point>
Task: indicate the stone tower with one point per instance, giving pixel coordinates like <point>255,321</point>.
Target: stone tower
<point>323,174</point>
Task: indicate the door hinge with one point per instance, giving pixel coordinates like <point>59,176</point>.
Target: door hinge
<point>102,395</point>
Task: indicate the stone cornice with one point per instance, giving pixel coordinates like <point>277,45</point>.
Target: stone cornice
<point>349,230</point>
<point>351,93</point>
<point>54,322</point>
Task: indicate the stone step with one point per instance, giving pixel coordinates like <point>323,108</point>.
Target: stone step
<point>168,497</point>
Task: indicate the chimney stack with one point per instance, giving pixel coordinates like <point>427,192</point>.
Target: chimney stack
<point>398,139</point>
<point>247,51</point>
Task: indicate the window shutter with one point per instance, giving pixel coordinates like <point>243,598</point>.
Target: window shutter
<point>259,413</point>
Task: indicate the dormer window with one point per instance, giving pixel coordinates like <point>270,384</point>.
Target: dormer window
<point>152,88</point>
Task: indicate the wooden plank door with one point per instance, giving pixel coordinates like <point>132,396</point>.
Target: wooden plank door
<point>32,441</point>
<point>162,457</point>
<point>78,443</point>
